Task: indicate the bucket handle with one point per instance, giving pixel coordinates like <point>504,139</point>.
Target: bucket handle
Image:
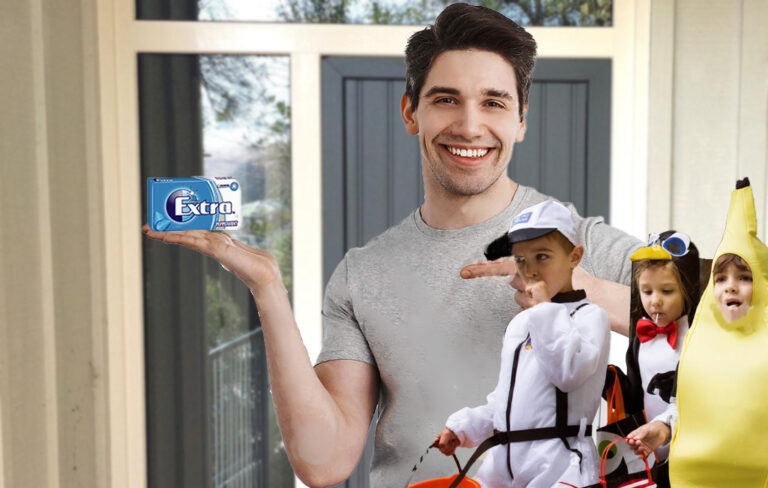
<point>421,458</point>
<point>604,458</point>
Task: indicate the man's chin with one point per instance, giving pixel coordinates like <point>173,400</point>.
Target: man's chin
<point>466,185</point>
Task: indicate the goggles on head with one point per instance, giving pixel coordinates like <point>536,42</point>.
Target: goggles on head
<point>677,244</point>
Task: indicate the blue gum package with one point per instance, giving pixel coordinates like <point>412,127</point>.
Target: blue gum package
<point>193,203</point>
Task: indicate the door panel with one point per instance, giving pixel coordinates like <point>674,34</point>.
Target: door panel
<point>372,168</point>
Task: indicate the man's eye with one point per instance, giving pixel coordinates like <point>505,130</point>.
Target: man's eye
<point>445,100</point>
<point>542,257</point>
<point>519,259</point>
<point>494,104</point>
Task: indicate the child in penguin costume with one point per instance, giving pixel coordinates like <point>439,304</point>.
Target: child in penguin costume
<point>664,295</point>
<point>721,439</point>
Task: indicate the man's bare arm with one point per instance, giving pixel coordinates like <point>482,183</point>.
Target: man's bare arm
<point>323,412</point>
<point>610,296</point>
<point>613,297</point>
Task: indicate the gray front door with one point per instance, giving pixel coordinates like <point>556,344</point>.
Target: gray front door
<point>372,168</point>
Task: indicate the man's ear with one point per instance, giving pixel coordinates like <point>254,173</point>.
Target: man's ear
<point>576,254</point>
<point>523,124</point>
<point>409,119</point>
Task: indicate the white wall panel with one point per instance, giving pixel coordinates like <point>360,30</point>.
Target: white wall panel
<point>706,116</point>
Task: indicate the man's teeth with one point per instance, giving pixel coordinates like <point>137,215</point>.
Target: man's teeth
<point>468,153</point>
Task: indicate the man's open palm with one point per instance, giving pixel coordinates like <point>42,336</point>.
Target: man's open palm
<point>256,267</point>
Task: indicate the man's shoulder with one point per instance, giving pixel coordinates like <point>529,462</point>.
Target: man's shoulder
<point>529,196</point>
<point>393,239</point>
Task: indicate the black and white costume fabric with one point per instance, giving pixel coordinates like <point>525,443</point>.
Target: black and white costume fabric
<point>657,362</point>
<point>565,346</point>
<point>650,382</point>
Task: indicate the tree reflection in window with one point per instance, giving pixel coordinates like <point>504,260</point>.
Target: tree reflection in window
<point>247,126</point>
<point>408,12</point>
<point>415,12</point>
<point>246,134</point>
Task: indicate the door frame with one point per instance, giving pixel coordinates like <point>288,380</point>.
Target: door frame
<point>121,37</point>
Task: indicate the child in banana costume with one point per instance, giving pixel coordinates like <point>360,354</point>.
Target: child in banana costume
<point>721,438</point>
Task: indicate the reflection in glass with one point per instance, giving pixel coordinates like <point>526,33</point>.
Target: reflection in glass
<point>403,12</point>
<point>210,418</point>
<point>246,129</point>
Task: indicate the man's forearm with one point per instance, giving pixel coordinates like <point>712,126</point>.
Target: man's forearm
<point>323,431</point>
<point>610,296</point>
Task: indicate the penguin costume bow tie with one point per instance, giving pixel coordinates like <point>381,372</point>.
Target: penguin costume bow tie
<point>647,330</point>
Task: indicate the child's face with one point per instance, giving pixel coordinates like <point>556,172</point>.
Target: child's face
<point>660,295</point>
<point>545,259</point>
<point>733,292</point>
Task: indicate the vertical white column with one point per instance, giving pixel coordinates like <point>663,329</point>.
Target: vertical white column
<point>660,115</point>
<point>753,100</point>
<point>306,177</point>
<point>629,114</point>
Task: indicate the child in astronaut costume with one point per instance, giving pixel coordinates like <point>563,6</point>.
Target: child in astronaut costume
<point>553,364</point>
<point>665,292</point>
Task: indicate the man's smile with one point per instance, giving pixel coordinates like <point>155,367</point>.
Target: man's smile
<point>471,156</point>
<point>467,152</point>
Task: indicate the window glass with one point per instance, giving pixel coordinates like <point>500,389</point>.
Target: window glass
<point>402,12</point>
<point>210,416</point>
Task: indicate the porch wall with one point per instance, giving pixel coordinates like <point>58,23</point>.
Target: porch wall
<point>709,114</point>
<point>52,430</point>
<point>708,126</point>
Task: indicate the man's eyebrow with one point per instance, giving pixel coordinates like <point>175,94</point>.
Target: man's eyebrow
<point>492,92</point>
<point>441,89</point>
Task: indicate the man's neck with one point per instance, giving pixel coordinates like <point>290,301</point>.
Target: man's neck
<point>446,211</point>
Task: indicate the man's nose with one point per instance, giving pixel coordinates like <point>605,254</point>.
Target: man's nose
<point>470,123</point>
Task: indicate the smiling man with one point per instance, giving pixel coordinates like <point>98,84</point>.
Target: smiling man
<point>402,327</point>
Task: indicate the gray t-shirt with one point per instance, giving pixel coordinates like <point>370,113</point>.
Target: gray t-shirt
<point>400,304</point>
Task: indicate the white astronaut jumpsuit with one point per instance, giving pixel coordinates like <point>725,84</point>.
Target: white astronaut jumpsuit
<point>565,345</point>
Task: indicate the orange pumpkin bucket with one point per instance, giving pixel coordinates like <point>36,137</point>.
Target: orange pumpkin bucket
<point>447,482</point>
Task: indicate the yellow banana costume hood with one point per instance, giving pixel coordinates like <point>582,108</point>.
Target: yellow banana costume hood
<point>721,438</point>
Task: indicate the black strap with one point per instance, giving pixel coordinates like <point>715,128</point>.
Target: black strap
<point>561,410</point>
<point>561,422</point>
<point>511,392</point>
<point>573,312</point>
<point>561,430</point>
<point>524,435</point>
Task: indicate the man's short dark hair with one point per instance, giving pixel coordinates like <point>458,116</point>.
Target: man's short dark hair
<point>461,26</point>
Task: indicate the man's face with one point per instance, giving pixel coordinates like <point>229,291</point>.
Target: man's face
<point>733,292</point>
<point>467,120</point>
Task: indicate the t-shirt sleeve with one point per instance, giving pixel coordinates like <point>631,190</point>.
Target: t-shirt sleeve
<point>606,249</point>
<point>342,336</point>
